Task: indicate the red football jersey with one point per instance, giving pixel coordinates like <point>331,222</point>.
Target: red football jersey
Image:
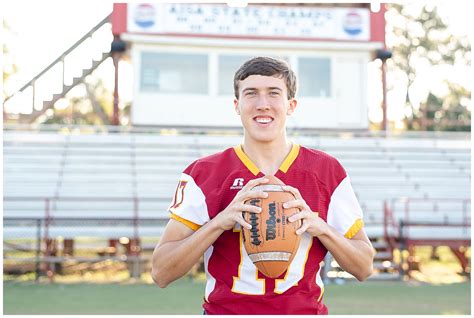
<point>234,284</point>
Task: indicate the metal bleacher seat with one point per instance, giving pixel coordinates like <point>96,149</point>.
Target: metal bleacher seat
<point>124,167</point>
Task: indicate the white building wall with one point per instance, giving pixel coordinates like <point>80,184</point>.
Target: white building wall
<point>346,108</point>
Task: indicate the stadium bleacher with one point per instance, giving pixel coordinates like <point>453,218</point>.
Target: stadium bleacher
<point>133,176</point>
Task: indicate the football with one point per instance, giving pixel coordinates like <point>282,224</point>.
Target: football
<point>272,241</point>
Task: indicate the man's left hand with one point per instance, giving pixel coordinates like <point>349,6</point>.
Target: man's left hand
<point>311,222</point>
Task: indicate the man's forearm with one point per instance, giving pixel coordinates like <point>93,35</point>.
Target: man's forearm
<point>354,256</point>
<point>174,259</point>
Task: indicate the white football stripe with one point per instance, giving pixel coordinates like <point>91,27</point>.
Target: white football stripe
<point>270,256</point>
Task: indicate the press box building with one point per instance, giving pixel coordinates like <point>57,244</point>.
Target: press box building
<point>184,57</point>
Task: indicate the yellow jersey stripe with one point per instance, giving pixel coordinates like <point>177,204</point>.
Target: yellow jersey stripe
<point>290,158</point>
<point>191,225</point>
<point>321,295</point>
<point>295,149</point>
<point>246,160</point>
<point>358,224</point>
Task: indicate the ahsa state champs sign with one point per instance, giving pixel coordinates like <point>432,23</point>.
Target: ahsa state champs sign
<point>254,20</point>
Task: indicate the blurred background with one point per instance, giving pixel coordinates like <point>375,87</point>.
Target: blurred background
<point>104,104</point>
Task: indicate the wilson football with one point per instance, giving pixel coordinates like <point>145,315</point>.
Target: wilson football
<point>272,242</point>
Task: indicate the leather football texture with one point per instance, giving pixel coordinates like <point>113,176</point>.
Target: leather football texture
<point>272,241</point>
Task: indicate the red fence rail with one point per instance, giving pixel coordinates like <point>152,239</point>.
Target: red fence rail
<point>48,201</point>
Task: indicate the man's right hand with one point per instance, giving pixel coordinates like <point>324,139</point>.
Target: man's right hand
<point>231,215</point>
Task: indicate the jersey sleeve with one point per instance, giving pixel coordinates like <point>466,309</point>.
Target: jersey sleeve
<point>189,203</point>
<point>344,212</point>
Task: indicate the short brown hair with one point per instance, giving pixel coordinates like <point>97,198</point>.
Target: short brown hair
<point>266,66</point>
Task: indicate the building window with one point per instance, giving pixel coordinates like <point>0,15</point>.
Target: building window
<point>228,65</point>
<point>314,77</point>
<point>174,73</point>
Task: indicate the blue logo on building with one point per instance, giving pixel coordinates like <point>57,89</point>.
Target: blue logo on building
<point>352,23</point>
<point>144,15</point>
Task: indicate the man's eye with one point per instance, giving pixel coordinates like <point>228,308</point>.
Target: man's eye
<point>250,93</point>
<point>275,93</point>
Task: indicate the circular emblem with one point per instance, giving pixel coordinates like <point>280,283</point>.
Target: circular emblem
<point>144,15</point>
<point>352,23</point>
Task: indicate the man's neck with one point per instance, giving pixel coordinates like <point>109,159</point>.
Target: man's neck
<point>267,156</point>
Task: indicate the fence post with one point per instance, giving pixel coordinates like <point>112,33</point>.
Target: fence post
<point>38,248</point>
<point>402,248</point>
<point>135,247</point>
<point>46,234</point>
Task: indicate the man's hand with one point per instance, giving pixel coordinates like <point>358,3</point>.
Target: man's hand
<point>311,222</point>
<point>233,213</point>
<point>354,255</point>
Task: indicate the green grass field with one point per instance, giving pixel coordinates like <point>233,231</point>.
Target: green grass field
<point>185,297</point>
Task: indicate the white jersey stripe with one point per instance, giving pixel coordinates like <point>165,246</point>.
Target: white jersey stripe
<point>344,209</point>
<point>319,281</point>
<point>190,202</point>
<point>211,281</point>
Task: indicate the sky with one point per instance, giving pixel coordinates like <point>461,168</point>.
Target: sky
<point>44,29</point>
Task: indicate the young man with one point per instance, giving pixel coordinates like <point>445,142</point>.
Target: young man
<point>206,213</point>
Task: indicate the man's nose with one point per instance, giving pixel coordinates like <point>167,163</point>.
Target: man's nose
<point>263,102</point>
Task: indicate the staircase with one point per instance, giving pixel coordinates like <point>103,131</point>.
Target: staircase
<point>29,118</point>
<point>31,88</point>
<point>385,265</point>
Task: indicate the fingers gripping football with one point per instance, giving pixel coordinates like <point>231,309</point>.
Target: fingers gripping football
<point>233,213</point>
<point>310,221</point>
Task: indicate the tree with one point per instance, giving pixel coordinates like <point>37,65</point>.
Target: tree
<point>92,108</point>
<point>9,66</point>
<point>423,39</point>
<point>448,114</point>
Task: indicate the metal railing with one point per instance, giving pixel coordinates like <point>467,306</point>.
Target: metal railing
<point>390,227</point>
<point>43,256</point>
<point>49,201</point>
<point>43,89</point>
<point>60,59</point>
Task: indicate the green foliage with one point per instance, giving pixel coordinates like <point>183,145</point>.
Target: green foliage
<point>9,66</point>
<point>423,39</point>
<point>93,108</point>
<point>447,114</point>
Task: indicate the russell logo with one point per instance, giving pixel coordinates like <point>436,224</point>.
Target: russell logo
<point>238,184</point>
<point>352,23</point>
<point>144,15</point>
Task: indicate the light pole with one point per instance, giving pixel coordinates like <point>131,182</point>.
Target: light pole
<point>384,55</point>
<point>116,49</point>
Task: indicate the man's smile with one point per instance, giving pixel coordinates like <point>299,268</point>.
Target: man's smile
<point>263,120</point>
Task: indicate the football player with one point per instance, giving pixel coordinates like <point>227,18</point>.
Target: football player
<point>206,212</point>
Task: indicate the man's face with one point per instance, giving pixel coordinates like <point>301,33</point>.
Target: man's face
<point>263,106</point>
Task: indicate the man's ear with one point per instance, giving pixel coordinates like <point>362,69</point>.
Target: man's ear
<point>236,106</point>
<point>291,106</point>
